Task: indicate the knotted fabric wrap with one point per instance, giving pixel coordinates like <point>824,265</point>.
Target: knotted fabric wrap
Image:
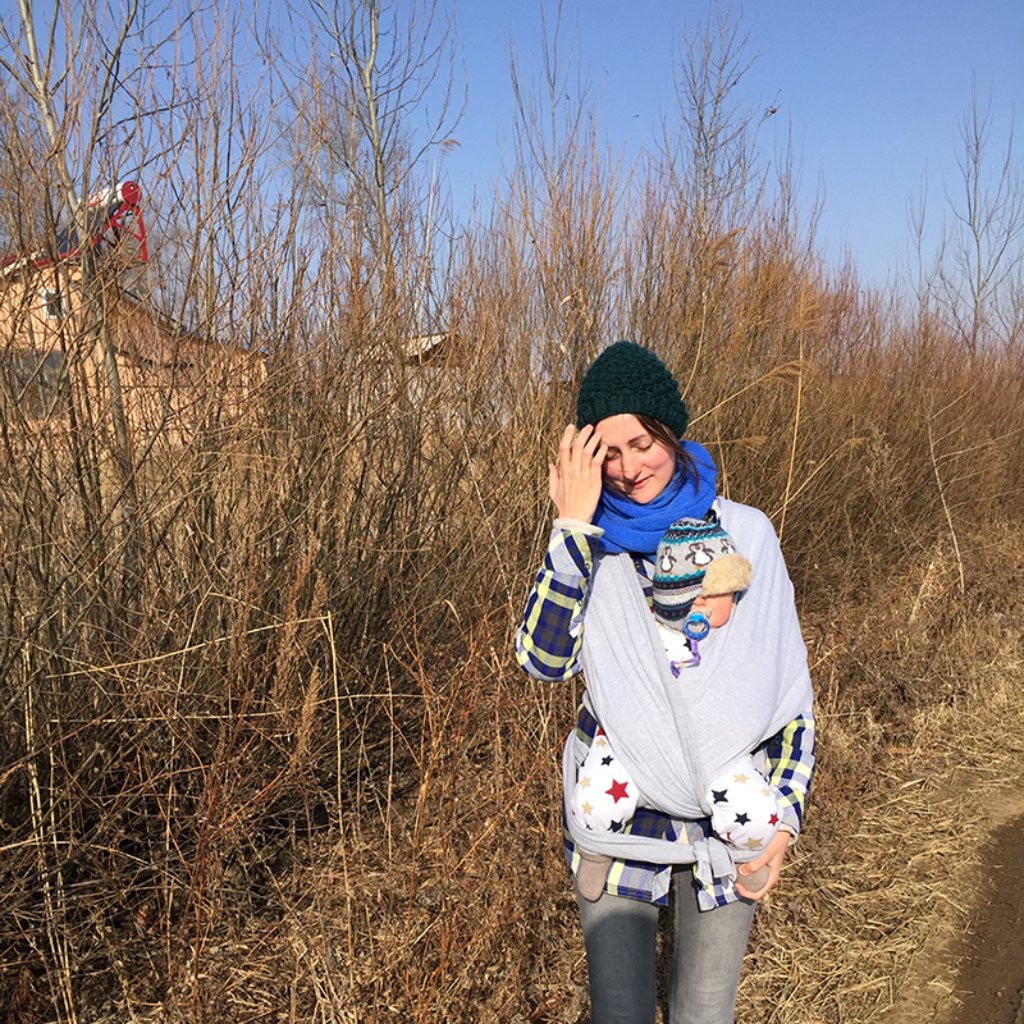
<point>630,526</point>
<point>676,734</point>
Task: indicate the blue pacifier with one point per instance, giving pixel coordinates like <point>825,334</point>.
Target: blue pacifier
<point>696,627</point>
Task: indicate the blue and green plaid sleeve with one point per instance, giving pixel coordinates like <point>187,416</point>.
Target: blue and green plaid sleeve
<point>550,636</point>
<point>790,754</point>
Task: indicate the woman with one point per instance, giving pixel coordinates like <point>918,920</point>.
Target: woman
<point>623,477</point>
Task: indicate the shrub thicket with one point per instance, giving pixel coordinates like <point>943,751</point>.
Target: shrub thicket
<point>265,750</point>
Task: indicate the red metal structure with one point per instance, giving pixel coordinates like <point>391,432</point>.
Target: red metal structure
<point>109,214</point>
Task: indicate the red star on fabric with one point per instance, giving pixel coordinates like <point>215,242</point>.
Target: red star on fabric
<point>619,790</point>
<point>773,820</point>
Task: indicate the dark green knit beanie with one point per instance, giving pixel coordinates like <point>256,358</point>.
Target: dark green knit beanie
<point>628,378</point>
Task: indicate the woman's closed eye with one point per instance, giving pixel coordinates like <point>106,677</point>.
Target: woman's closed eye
<point>614,453</point>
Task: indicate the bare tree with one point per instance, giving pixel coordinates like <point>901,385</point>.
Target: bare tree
<point>563,205</point>
<point>372,67</point>
<point>981,254</point>
<point>73,91</point>
<point>711,181</point>
<point>713,146</point>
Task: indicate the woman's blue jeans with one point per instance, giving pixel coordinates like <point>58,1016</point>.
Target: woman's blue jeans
<point>621,935</point>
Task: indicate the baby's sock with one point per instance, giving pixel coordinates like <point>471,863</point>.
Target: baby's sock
<point>592,874</point>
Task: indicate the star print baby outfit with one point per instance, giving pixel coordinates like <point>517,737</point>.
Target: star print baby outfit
<point>744,808</point>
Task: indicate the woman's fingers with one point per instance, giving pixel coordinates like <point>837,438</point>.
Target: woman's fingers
<point>582,446</point>
<point>553,481</point>
<point>756,894</point>
<point>575,483</point>
<point>586,432</point>
<point>565,444</point>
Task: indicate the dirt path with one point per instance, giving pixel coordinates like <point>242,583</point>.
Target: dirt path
<point>991,977</point>
<point>977,976</point>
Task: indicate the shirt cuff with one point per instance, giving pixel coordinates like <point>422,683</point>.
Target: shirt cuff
<point>579,526</point>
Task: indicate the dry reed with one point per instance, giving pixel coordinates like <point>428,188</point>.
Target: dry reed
<point>266,755</point>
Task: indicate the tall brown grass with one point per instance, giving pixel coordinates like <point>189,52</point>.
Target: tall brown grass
<point>278,763</point>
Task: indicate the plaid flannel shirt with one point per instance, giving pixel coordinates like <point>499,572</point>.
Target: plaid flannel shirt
<point>548,644</point>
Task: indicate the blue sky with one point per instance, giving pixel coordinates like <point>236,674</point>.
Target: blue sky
<point>871,93</point>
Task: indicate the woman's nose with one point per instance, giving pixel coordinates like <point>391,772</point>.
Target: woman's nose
<point>629,463</point>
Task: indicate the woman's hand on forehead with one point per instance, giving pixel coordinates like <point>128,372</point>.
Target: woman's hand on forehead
<point>574,484</point>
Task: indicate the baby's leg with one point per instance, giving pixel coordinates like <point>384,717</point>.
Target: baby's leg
<point>605,796</point>
<point>745,814</point>
<point>603,801</point>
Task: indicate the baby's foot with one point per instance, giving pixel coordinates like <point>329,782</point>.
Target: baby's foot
<point>592,874</point>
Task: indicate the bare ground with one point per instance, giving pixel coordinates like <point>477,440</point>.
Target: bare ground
<point>991,977</point>
<point>969,968</point>
<point>971,971</point>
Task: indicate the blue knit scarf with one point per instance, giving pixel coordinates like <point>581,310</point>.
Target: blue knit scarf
<point>630,526</point>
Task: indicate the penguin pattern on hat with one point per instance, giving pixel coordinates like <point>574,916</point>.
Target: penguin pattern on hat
<point>686,552</point>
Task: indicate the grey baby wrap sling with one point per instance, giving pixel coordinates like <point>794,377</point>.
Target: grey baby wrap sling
<point>676,734</point>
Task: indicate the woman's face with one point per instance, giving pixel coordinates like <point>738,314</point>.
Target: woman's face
<point>637,465</point>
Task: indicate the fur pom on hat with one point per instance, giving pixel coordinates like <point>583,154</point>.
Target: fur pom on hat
<point>727,574</point>
<point>695,557</point>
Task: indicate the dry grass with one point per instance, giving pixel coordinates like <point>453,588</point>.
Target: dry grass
<point>889,867</point>
<point>349,834</point>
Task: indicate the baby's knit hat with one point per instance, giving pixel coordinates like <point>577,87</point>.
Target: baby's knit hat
<point>628,378</point>
<point>695,557</point>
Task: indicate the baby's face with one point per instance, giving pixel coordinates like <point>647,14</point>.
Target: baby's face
<point>717,608</point>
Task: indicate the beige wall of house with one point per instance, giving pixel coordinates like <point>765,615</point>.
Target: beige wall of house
<point>51,347</point>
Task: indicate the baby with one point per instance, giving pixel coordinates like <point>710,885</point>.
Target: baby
<point>698,575</point>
